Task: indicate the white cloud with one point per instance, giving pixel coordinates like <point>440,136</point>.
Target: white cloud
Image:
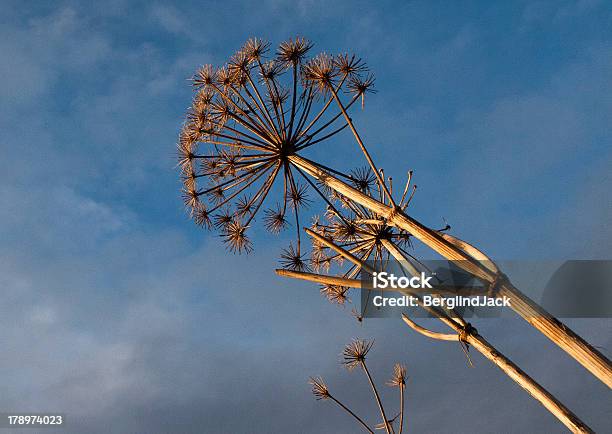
<point>169,18</point>
<point>35,54</point>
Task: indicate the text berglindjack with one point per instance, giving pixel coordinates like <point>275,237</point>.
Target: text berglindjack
<point>446,302</point>
<point>384,280</point>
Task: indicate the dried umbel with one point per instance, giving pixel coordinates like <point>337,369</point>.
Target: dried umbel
<point>319,388</point>
<point>357,228</point>
<point>354,355</point>
<point>247,119</point>
<point>399,376</point>
<point>335,293</point>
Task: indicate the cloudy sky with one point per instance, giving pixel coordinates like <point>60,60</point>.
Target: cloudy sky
<point>118,312</point>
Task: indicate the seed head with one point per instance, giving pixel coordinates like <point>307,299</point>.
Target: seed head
<point>363,178</point>
<point>319,388</point>
<point>291,259</point>
<point>359,86</point>
<point>299,196</point>
<point>201,216</point>
<point>335,293</point>
<point>355,353</point>
<point>224,77</point>
<point>345,230</point>
<point>223,219</point>
<point>357,315</point>
<point>399,376</point>
<point>293,51</point>
<point>191,198</point>
<point>254,49</point>
<point>271,70</point>
<point>235,237</point>
<point>275,220</point>
<point>240,63</point>
<point>205,77</point>
<point>320,73</point>
<point>349,65</point>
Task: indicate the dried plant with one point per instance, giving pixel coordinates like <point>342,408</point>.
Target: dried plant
<point>354,356</point>
<point>249,124</point>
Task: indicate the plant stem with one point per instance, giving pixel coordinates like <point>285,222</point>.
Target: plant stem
<point>349,411</point>
<point>401,421</point>
<point>380,406</point>
<point>349,121</point>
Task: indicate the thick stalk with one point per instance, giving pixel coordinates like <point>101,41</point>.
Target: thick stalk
<point>561,412</point>
<point>552,404</point>
<point>552,328</point>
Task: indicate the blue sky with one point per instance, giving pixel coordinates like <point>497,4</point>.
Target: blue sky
<point>114,303</point>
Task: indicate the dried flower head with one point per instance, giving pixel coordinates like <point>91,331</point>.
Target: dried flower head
<point>293,51</point>
<point>299,196</point>
<point>361,85</point>
<point>357,315</point>
<point>205,77</point>
<point>247,121</point>
<point>355,353</point>
<point>234,236</point>
<point>349,64</point>
<point>201,216</point>
<point>254,49</point>
<point>399,376</point>
<point>319,388</point>
<point>223,219</point>
<point>363,179</point>
<point>275,219</point>
<point>335,293</point>
<point>291,259</point>
<point>321,72</point>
